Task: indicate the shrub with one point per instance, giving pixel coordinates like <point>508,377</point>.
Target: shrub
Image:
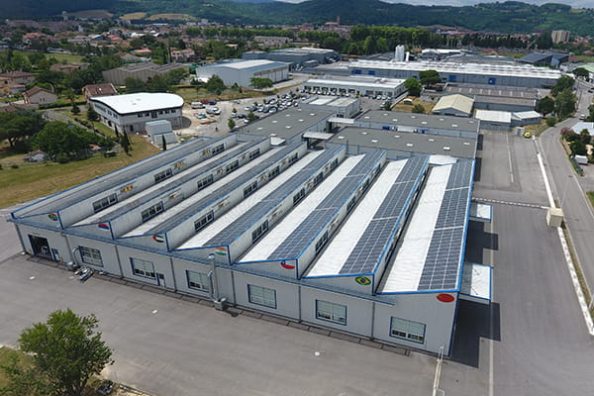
<point>14,166</point>
<point>551,121</point>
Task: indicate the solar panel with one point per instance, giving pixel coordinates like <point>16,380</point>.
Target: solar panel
<point>443,258</point>
<point>327,210</point>
<point>453,208</point>
<point>460,175</point>
<point>271,201</point>
<point>380,231</point>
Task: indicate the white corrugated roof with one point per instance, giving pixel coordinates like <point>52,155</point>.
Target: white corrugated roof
<point>272,240</point>
<point>410,260</point>
<point>138,102</point>
<point>457,102</point>
<point>341,246</point>
<point>503,117</point>
<point>526,115</point>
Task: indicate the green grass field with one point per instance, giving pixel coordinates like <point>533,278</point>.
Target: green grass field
<point>31,180</point>
<point>61,58</point>
<point>590,195</point>
<point>5,355</point>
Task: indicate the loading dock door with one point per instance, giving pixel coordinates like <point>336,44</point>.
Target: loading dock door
<point>40,247</point>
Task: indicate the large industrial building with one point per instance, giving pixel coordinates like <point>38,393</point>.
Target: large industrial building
<point>369,243</point>
<point>241,72</point>
<point>296,57</point>
<point>141,71</point>
<point>356,86</point>
<point>131,112</point>
<point>464,73</point>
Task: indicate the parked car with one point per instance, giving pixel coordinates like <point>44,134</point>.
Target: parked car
<point>197,105</point>
<point>212,102</point>
<point>85,274</point>
<point>105,388</point>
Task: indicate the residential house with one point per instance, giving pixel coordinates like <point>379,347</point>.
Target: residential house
<point>39,96</point>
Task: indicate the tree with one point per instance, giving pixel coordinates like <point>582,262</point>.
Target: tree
<point>64,141</point>
<point>578,147</point>
<point>163,143</point>
<point>418,108</point>
<point>545,105</point>
<point>563,83</point>
<point>20,379</point>
<point>565,103</point>
<point>92,114</point>
<point>260,82</point>
<point>75,109</point>
<point>231,123</point>
<point>429,77</point>
<point>387,105</point>
<point>68,350</point>
<point>18,127</point>
<point>134,85</point>
<point>215,84</point>
<point>413,86</point>
<point>585,137</point>
<point>251,117</point>
<point>125,142</point>
<point>581,72</point>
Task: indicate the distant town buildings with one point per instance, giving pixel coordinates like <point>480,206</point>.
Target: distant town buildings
<point>560,36</point>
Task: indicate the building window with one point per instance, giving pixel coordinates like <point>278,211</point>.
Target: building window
<point>198,280</point>
<point>254,154</point>
<point>249,190</point>
<point>231,167</point>
<point>142,268</point>
<point>351,204</point>
<point>208,180</point>
<point>167,173</point>
<point>334,164</point>
<point>90,256</point>
<point>321,242</point>
<point>151,212</point>
<point>258,232</point>
<point>203,221</point>
<point>331,312</point>
<point>407,330</point>
<point>218,149</point>
<point>318,179</point>
<point>299,196</point>
<point>262,296</point>
<point>103,203</point>
<point>293,158</point>
<point>274,173</point>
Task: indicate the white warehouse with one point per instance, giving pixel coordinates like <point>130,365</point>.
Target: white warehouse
<point>356,86</point>
<point>364,244</point>
<point>241,72</point>
<point>130,113</point>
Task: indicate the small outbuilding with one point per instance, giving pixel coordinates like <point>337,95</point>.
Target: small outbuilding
<point>454,105</point>
<point>494,120</point>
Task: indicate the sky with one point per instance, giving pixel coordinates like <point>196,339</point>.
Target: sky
<point>573,3</point>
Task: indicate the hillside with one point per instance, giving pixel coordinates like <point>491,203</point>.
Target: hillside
<point>507,17</point>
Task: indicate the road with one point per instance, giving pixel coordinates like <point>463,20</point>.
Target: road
<point>532,340</point>
<point>579,215</point>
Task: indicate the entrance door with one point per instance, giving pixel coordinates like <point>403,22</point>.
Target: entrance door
<point>56,255</point>
<point>40,247</point>
<point>161,280</point>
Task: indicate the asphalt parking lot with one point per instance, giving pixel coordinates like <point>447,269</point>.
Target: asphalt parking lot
<point>168,346</point>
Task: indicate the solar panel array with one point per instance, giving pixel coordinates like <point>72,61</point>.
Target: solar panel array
<point>304,235</point>
<point>443,258</point>
<point>259,211</point>
<point>179,217</point>
<point>381,230</point>
<point>222,158</point>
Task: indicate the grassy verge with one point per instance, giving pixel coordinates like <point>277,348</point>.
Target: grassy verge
<point>6,354</point>
<point>68,58</point>
<point>537,129</point>
<point>102,128</point>
<point>30,180</point>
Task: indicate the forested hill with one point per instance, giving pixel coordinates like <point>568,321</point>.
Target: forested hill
<point>507,17</point>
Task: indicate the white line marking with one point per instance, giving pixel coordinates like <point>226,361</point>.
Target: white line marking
<point>509,157</point>
<point>491,359</point>
<point>544,175</point>
<point>438,373</point>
